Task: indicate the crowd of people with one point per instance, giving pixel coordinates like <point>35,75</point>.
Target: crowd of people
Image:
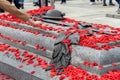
<point>20,3</point>
<point>93,2</point>
<point>104,2</point>
<point>43,2</point>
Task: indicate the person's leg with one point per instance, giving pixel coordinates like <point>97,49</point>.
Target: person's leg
<point>104,3</point>
<point>62,1</point>
<point>111,3</point>
<point>118,10</point>
<point>52,3</point>
<point>40,3</point>
<point>92,2</point>
<point>117,1</point>
<point>46,2</point>
<point>16,2</point>
<point>22,4</point>
<point>35,2</point>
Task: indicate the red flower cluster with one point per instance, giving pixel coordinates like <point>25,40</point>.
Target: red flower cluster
<point>90,64</point>
<point>5,77</point>
<point>32,72</point>
<point>25,57</point>
<point>98,40</point>
<point>13,40</point>
<point>38,47</point>
<point>66,41</point>
<point>73,73</point>
<point>41,10</point>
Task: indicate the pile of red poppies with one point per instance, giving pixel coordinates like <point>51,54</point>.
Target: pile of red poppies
<point>25,57</point>
<point>92,41</point>
<point>80,74</point>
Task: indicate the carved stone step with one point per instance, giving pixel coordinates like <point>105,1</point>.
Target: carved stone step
<point>103,58</point>
<point>20,70</point>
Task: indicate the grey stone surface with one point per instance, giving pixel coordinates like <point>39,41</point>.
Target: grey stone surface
<point>113,15</point>
<point>9,66</point>
<point>101,57</point>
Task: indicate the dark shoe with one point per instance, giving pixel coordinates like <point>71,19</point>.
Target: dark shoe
<point>61,3</point>
<point>35,4</point>
<point>92,3</point>
<point>104,4</point>
<point>22,6</point>
<point>111,4</point>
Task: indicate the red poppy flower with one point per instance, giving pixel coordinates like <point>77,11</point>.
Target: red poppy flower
<point>32,72</point>
<point>20,66</point>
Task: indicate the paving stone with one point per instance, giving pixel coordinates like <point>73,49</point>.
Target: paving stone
<point>113,15</point>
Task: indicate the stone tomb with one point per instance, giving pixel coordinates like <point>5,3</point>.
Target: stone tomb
<point>79,54</point>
